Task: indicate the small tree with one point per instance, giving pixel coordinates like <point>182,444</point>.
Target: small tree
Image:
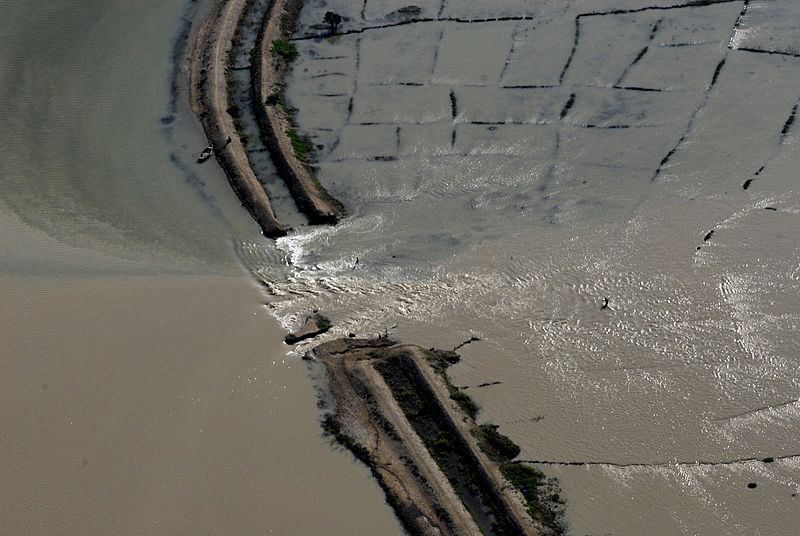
<point>333,20</point>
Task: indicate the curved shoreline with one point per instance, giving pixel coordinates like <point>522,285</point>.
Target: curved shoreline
<point>209,100</point>
<point>267,78</point>
<point>208,95</point>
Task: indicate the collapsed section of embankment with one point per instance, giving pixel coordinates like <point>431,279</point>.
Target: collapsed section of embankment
<point>394,408</point>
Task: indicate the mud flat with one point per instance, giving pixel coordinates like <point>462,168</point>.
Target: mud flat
<point>268,71</point>
<point>394,408</point>
<point>209,98</point>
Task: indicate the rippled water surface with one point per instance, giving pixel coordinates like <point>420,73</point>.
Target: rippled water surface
<point>605,194</point>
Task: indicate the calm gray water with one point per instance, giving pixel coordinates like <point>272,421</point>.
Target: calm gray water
<point>86,156</point>
<point>605,193</point>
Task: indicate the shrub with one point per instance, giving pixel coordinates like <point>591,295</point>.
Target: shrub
<point>323,322</point>
<point>302,145</point>
<point>466,403</point>
<point>284,49</point>
<point>275,98</point>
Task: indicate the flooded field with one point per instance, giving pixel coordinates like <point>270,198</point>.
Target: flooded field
<point>605,194</point>
<point>599,198</point>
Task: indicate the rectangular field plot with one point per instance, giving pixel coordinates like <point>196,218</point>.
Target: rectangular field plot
<point>530,141</point>
<point>618,107</point>
<point>400,54</point>
<point>541,49</point>
<point>750,104</point>
<point>366,141</point>
<point>473,53</point>
<point>494,105</point>
<point>322,116</point>
<point>393,10</point>
<point>770,26</point>
<point>372,181</point>
<point>607,46</point>
<point>702,24</point>
<point>688,68</point>
<point>322,68</point>
<point>636,150</point>
<point>431,140</point>
<point>401,104</point>
<point>481,9</point>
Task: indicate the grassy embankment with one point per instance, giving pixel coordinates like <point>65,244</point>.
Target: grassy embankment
<point>285,53</point>
<point>445,445</point>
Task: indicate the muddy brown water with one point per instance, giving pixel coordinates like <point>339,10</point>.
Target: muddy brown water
<point>545,176</point>
<point>574,171</point>
<point>144,387</point>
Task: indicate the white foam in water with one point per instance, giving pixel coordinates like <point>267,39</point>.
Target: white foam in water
<point>298,246</point>
<point>581,252</point>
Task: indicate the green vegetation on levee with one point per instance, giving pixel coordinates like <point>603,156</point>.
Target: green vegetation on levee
<point>431,425</point>
<point>275,99</point>
<point>323,322</point>
<point>284,49</point>
<point>440,360</point>
<point>302,145</point>
<point>542,495</point>
<point>466,403</point>
<point>442,440</point>
<point>498,448</point>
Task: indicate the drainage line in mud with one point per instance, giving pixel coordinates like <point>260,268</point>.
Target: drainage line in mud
<point>769,459</point>
<point>770,52</point>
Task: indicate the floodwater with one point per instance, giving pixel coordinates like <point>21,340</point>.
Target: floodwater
<point>144,388</point>
<point>508,167</point>
<point>605,194</point>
